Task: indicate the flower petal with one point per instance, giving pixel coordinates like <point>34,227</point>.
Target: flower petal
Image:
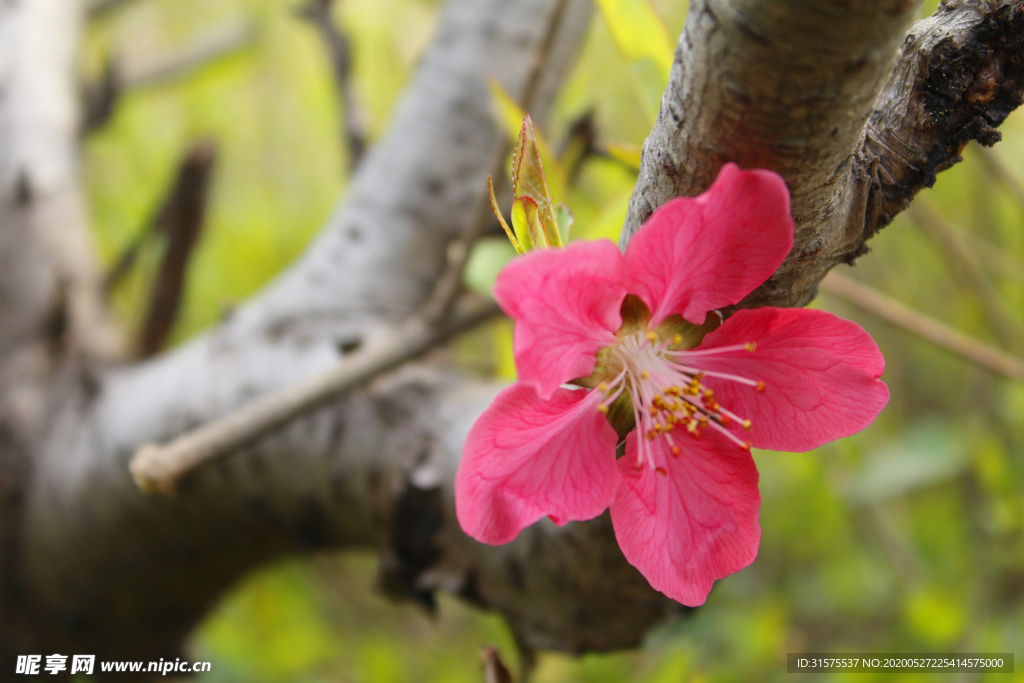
<point>820,373</point>
<point>691,521</point>
<point>565,303</point>
<point>698,254</point>
<point>526,458</point>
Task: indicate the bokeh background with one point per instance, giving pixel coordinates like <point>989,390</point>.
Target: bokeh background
<point>906,537</point>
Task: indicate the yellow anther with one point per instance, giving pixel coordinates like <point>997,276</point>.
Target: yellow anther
<point>645,375</point>
<point>677,339</point>
<point>760,386</point>
<point>650,435</point>
<point>708,393</point>
<point>602,408</point>
<point>661,471</point>
<point>658,428</point>
<point>750,346</point>
<point>668,427</point>
<point>602,387</point>
<point>692,427</point>
<point>746,446</point>
<point>651,336</point>
<point>746,424</point>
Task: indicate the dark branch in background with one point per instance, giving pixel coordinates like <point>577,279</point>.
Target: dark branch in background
<point>495,670</point>
<point>181,220</point>
<point>99,99</point>
<point>806,106</point>
<point>319,13</point>
<point>580,144</point>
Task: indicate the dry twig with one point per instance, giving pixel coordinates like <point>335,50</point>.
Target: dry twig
<point>1003,323</point>
<point>926,327</point>
<point>157,468</point>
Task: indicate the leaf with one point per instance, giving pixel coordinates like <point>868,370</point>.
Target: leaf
<point>527,223</point>
<point>501,218</point>
<point>563,217</point>
<point>512,118</point>
<point>528,178</point>
<point>643,40</point>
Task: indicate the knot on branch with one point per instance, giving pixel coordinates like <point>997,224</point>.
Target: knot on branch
<point>960,74</point>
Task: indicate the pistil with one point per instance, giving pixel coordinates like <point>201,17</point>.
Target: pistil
<point>667,391</point>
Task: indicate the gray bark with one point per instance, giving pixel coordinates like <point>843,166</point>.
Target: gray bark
<point>797,87</point>
<point>91,563</point>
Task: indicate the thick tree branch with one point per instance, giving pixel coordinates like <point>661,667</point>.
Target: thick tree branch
<point>794,87</point>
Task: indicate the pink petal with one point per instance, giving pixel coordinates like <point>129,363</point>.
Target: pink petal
<point>820,373</point>
<point>526,458</point>
<point>565,303</point>
<point>695,255</point>
<point>692,521</point>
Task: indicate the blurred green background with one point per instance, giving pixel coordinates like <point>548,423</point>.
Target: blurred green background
<point>906,537</point>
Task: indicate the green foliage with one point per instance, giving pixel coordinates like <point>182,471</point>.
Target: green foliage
<point>907,537</point>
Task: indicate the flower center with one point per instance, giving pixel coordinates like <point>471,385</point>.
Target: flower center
<point>665,387</point>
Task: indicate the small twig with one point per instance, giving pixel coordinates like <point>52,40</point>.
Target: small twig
<point>206,47</point>
<point>122,74</point>
<point>997,169</point>
<point>1006,327</point>
<point>319,14</point>
<point>495,670</point>
<point>157,468</point>
<point>995,259</point>
<point>924,326</point>
<point>94,9</point>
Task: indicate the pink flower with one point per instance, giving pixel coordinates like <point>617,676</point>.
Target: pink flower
<point>634,333</point>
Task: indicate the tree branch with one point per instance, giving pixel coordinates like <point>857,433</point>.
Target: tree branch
<point>339,51</point>
<point>924,326</point>
<point>158,468</point>
<point>794,87</point>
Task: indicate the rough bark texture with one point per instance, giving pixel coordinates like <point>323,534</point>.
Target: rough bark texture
<point>795,87</point>
<point>92,565</point>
